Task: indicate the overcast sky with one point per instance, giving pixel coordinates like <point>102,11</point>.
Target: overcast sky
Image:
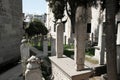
<point>34,6</point>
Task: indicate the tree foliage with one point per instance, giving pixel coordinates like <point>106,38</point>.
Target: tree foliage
<point>35,28</point>
<point>57,8</point>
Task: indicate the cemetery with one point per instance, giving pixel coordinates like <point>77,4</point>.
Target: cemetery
<point>57,49</point>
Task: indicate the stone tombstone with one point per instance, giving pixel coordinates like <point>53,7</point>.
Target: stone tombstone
<point>33,71</point>
<point>36,40</point>
<point>118,59</point>
<point>53,52</point>
<point>10,29</point>
<point>59,40</point>
<point>25,53</point>
<point>118,34</point>
<point>100,53</point>
<point>118,49</point>
<point>45,47</point>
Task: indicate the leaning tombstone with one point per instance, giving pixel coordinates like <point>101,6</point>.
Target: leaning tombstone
<point>25,53</point>
<point>33,71</point>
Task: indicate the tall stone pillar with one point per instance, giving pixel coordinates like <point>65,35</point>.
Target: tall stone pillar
<point>59,40</point>
<point>118,34</point>
<point>80,38</point>
<point>99,53</point>
<point>118,49</point>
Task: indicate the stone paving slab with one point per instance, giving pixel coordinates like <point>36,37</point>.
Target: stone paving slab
<point>12,74</point>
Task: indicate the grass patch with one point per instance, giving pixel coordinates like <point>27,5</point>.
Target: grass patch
<point>91,60</point>
<point>90,52</point>
<point>68,53</point>
<point>49,47</point>
<point>68,47</point>
<point>39,48</point>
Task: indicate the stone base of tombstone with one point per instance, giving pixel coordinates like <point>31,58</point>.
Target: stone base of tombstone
<point>33,71</point>
<point>34,74</point>
<point>100,55</point>
<point>64,69</point>
<point>104,77</point>
<point>97,55</point>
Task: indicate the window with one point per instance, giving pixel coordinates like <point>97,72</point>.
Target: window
<point>88,27</point>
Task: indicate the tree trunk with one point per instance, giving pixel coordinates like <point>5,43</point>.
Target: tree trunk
<point>80,37</point>
<point>72,22</point>
<point>111,40</point>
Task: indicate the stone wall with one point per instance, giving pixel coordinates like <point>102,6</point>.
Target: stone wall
<point>10,29</point>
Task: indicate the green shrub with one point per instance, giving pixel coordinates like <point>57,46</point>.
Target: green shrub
<point>68,53</point>
<point>68,47</point>
<point>90,52</point>
<point>39,48</point>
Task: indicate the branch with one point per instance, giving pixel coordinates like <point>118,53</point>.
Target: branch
<point>68,12</point>
<point>60,22</point>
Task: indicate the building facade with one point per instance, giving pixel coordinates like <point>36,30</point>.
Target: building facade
<point>30,17</point>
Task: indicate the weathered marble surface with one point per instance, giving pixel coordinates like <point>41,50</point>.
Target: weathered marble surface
<point>64,69</point>
<point>59,40</point>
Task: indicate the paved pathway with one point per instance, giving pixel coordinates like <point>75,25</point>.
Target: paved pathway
<point>12,74</point>
<point>15,72</point>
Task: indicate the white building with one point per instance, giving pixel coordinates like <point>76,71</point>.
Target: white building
<point>30,17</point>
<point>42,18</point>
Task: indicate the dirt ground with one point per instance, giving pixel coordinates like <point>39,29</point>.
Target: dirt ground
<point>95,78</point>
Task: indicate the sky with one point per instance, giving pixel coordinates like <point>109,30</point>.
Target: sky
<point>34,6</point>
